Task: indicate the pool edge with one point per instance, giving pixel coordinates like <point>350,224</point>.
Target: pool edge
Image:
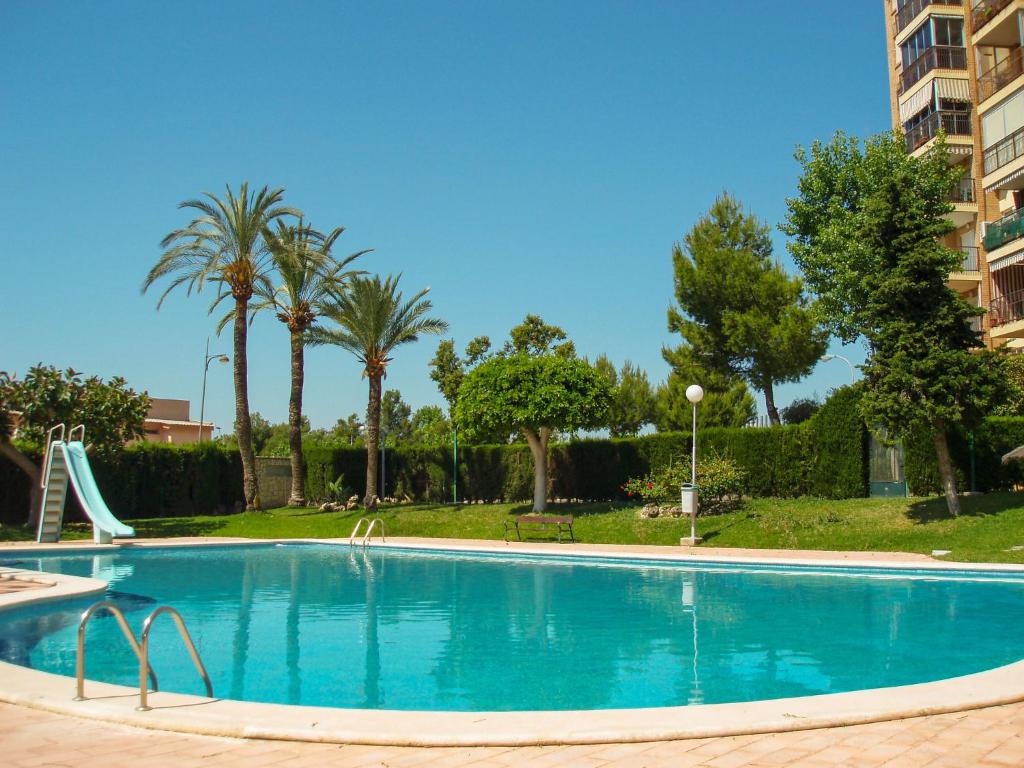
<point>197,715</point>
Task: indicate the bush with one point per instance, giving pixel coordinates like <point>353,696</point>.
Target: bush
<point>719,483</point>
<point>837,447</point>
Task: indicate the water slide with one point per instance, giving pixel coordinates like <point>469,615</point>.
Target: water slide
<point>105,526</point>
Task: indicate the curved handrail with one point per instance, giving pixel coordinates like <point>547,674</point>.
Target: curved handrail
<point>369,531</point>
<point>355,530</point>
<point>144,655</point>
<point>48,452</point>
<point>81,436</point>
<point>87,614</point>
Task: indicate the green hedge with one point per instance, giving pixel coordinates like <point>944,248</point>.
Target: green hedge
<point>837,447</point>
<point>995,436</point>
<point>144,480</point>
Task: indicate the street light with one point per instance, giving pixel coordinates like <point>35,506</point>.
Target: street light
<point>828,358</point>
<point>206,369</point>
<point>694,393</point>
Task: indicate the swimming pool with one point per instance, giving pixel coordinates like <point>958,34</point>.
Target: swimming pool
<point>406,629</point>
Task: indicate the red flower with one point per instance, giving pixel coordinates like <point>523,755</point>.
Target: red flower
<point>650,485</point>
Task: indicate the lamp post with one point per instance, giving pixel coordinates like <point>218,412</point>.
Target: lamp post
<point>206,369</point>
<point>853,373</point>
<point>688,495</point>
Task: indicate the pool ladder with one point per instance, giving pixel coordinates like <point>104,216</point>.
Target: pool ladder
<point>370,525</point>
<point>141,649</point>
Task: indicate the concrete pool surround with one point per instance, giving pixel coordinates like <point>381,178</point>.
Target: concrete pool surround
<point>221,717</point>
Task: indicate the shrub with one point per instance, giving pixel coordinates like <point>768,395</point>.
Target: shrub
<point>719,483</point>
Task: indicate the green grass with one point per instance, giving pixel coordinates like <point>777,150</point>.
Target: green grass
<point>986,531</point>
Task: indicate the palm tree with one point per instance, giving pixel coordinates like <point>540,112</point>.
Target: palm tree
<point>309,274</point>
<point>225,244</point>
<point>372,321</point>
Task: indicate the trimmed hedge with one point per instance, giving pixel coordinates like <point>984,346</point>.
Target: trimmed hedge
<point>838,448</point>
<point>995,436</point>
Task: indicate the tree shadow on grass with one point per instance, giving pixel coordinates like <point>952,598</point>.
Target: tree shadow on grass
<point>932,510</point>
<point>174,526</point>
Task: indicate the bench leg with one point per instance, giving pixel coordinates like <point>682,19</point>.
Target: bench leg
<point>518,535</point>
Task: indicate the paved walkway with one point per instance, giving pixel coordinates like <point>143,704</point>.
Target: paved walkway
<point>988,737</point>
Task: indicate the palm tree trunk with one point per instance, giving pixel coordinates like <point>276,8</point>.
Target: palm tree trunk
<point>372,441</point>
<point>945,466</point>
<point>539,448</point>
<point>769,404</point>
<point>297,497</point>
<point>243,424</point>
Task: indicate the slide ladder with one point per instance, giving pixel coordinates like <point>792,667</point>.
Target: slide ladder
<point>54,485</point>
<point>68,462</point>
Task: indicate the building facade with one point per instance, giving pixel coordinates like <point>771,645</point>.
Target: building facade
<point>957,66</point>
<point>168,422</point>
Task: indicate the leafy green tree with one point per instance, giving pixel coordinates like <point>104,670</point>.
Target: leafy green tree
<point>882,213</point>
<point>278,442</point>
<point>395,415</point>
<point>430,427</point>
<point>534,337</point>
<point>633,403</point>
<point>225,244</point>
<point>111,412</point>
<point>536,396</point>
<point>727,400</point>
<point>1013,402</point>
<point>447,369</point>
<point>800,410</point>
<point>737,307</point>
<point>371,320</point>
<point>307,275</point>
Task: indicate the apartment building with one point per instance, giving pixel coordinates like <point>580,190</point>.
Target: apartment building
<point>957,66</point>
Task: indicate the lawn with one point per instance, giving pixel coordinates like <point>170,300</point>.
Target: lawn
<point>988,530</point>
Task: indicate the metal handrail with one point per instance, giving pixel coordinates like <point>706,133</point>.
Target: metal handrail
<point>935,57</point>
<point>80,429</point>
<point>1006,150</point>
<point>1001,74</point>
<point>186,638</point>
<point>952,122</point>
<point>984,11</point>
<point>355,531</point>
<point>87,614</point>
<point>369,531</point>
<point>48,452</point>
<point>908,12</point>
<point>969,263</point>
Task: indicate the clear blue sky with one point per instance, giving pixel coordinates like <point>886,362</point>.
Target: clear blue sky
<point>521,157</point>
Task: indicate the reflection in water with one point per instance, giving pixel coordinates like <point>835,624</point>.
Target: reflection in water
<point>331,626</point>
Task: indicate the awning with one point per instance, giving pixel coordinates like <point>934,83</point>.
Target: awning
<point>1007,261</point>
<point>917,101</point>
<point>952,89</point>
<point>1004,180</point>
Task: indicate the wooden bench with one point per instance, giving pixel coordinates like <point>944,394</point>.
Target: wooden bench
<point>562,522</point>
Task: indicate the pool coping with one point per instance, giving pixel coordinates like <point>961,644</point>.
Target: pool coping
<point>221,717</point>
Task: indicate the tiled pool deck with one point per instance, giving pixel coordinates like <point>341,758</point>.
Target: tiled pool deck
<point>990,736</point>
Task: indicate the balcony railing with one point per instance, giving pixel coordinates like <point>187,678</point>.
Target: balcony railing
<point>1008,228</point>
<point>975,324</point>
<point>953,123</point>
<point>970,259</point>
<point>984,11</point>
<point>909,11</point>
<point>1006,309</point>
<point>1001,75</point>
<point>936,57</point>
<point>1005,151</point>
<point>964,193</point>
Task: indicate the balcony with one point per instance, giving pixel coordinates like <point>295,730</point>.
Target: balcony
<point>1005,151</point>
<point>964,193</point>
<point>970,259</point>
<point>1001,75</point>
<point>953,123</point>
<point>1006,309</point>
<point>999,233</point>
<point>908,12</point>
<point>936,57</point>
<point>983,12</point>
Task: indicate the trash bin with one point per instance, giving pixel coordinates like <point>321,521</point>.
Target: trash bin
<point>688,499</point>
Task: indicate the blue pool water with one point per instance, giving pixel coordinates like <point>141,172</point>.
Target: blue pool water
<point>400,629</point>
